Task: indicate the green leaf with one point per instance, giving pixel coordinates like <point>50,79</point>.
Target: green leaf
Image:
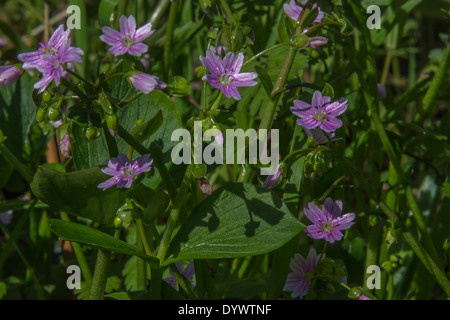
<point>77,193</point>
<point>105,9</point>
<point>446,189</point>
<point>144,130</point>
<point>235,221</point>
<point>2,289</point>
<point>96,239</point>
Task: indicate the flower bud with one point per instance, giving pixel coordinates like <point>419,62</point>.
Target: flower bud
<point>54,114</point>
<point>212,33</point>
<point>112,123</point>
<point>200,71</point>
<point>118,222</point>
<point>46,97</point>
<point>9,75</point>
<point>354,293</point>
<point>41,114</point>
<point>199,170</point>
<point>90,133</point>
<point>206,4</point>
<point>180,87</point>
<point>300,41</point>
<point>204,186</point>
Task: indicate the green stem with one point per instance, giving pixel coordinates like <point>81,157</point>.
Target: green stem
<point>100,275</point>
<point>217,102</point>
<point>130,99</point>
<point>76,75</point>
<point>183,282</point>
<point>228,11</point>
<point>173,217</point>
<point>169,36</point>
<point>81,258</point>
<point>159,11</point>
<point>141,266</point>
<point>256,56</point>
<point>433,90</point>
<point>16,163</point>
<point>143,234</point>
<point>428,262</point>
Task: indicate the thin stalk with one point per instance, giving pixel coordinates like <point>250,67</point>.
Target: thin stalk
<point>256,56</point>
<point>81,258</point>
<point>216,103</point>
<point>169,36</point>
<point>159,10</point>
<point>143,234</point>
<point>16,163</point>
<point>433,90</point>
<point>100,275</point>
<point>228,11</point>
<point>141,266</point>
<point>173,217</point>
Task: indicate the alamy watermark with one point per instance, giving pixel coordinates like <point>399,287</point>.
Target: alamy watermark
<point>258,143</point>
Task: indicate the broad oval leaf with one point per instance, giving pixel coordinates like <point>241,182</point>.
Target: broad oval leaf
<point>96,239</point>
<point>77,193</point>
<point>235,221</point>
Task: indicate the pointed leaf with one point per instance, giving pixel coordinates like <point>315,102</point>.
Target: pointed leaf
<point>95,238</point>
<point>77,193</point>
<point>235,221</point>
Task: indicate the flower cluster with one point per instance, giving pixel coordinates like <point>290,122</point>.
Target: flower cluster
<point>51,57</point>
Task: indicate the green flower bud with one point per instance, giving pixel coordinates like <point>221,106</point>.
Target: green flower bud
<point>354,292</point>
<point>90,133</point>
<point>112,123</point>
<point>200,71</point>
<point>212,33</point>
<point>118,222</point>
<point>206,4</point>
<point>199,170</point>
<point>41,114</point>
<point>46,96</point>
<point>300,41</point>
<point>54,114</point>
<point>180,86</point>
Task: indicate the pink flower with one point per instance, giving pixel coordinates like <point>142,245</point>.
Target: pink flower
<point>321,113</point>
<point>146,83</point>
<point>299,280</point>
<point>9,75</point>
<point>363,297</point>
<point>293,10</point>
<point>123,172</point>
<point>33,60</point>
<point>50,58</point>
<point>2,42</point>
<point>128,39</point>
<point>224,73</point>
<point>328,222</point>
<point>271,181</point>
